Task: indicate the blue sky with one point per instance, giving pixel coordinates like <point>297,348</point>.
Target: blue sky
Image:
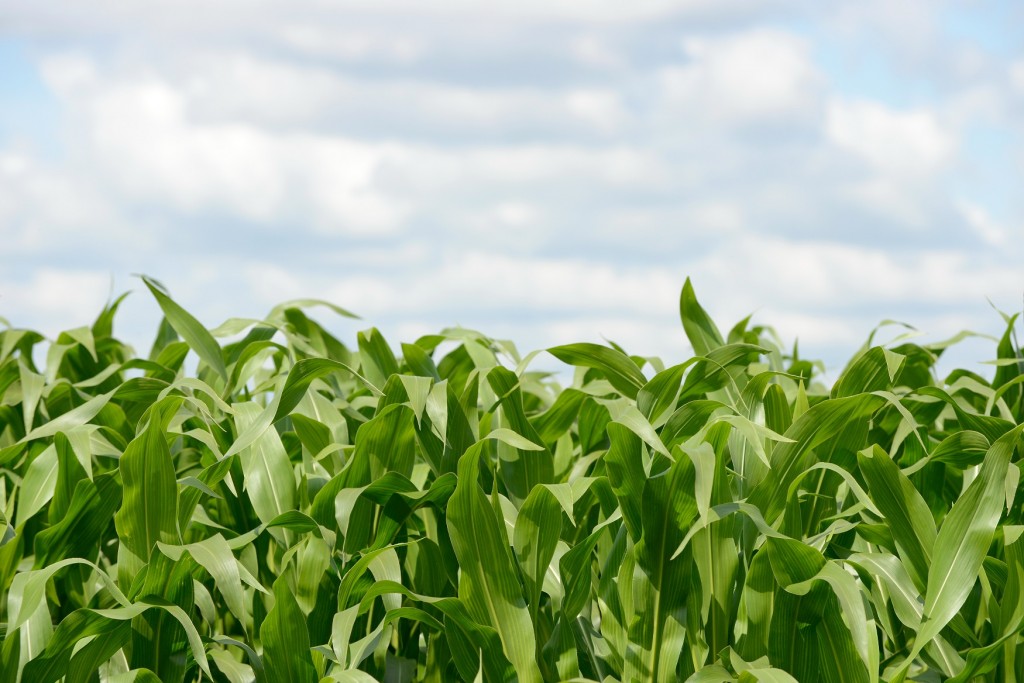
<point>544,171</point>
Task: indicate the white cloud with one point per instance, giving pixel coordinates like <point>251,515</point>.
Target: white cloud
<point>353,45</point>
<point>591,50</point>
<point>47,209</point>
<point>981,221</point>
<point>827,295</point>
<point>340,179</point>
<point>221,86</point>
<point>750,77</point>
<point>228,16</point>
<point>476,281</point>
<point>601,108</point>
<point>903,143</point>
<point>1016,74</point>
<point>69,73</point>
<point>822,276</point>
<point>194,145</point>
<point>143,141</point>
<point>151,152</point>
<point>909,28</point>
<point>55,299</point>
<point>903,153</point>
<point>551,169</point>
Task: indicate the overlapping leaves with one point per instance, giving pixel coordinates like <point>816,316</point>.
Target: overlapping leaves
<point>261,502</point>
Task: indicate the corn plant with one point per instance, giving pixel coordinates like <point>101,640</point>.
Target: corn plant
<point>264,502</point>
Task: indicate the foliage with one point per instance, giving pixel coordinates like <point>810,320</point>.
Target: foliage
<point>261,502</point>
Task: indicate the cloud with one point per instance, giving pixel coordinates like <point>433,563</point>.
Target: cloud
<point>220,86</point>
<point>544,170</point>
<point>144,142</point>
<point>347,44</point>
<point>902,143</point>
<point>228,16</point>
<point>902,153</point>
<point>46,209</point>
<point>982,222</point>
<point>816,276</point>
<point>909,29</point>
<point>475,282</point>
<point>54,299</point>
<point>757,76</point>
<point>826,293</point>
<point>158,142</point>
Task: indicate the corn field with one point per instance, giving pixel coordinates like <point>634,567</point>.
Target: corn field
<point>263,502</point>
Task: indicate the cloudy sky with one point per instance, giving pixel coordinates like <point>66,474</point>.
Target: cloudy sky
<point>544,170</point>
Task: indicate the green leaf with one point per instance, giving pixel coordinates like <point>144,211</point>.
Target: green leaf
<point>32,385</point>
<point>660,394</point>
<point>961,449</point>
<point>190,329</point>
<point>69,473</point>
<point>214,555</point>
<point>668,511</point>
<point>820,423</point>
<point>108,636</point>
<point>149,509</point>
<point>286,651</point>
<point>420,362</point>
<point>507,436</point>
<point>81,530</point>
<point>622,372</point>
<point>488,585</point>
<point>524,463</point>
<point>719,370</point>
<point>310,303</point>
<point>792,561</point>
<point>269,480</point>
<point>159,641</point>
<point>302,374</point>
<point>875,370</point>
<point>538,528</point>
<point>559,418</point>
<point>76,417</point>
<point>904,510</point>
<point>38,485</point>
<point>963,541</point>
<point>379,361</point>
<point>700,329</point>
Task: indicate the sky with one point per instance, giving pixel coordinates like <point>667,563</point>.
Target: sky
<point>543,171</point>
